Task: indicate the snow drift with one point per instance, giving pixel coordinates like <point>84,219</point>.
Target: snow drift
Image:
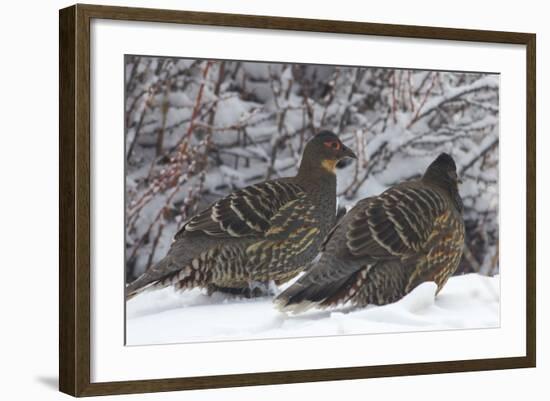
<point>165,316</point>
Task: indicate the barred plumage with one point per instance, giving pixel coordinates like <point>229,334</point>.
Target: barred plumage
<point>387,245</point>
<point>267,231</point>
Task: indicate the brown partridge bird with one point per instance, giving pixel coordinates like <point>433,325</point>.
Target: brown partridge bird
<point>387,245</point>
<point>264,232</point>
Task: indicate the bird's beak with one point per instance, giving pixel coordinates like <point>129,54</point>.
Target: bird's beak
<point>347,152</point>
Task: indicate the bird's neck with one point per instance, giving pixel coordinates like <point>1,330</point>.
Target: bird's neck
<point>445,184</point>
<point>457,200</point>
<point>320,184</point>
<point>317,174</point>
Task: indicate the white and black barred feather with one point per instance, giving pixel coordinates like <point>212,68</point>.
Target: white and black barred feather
<point>245,212</point>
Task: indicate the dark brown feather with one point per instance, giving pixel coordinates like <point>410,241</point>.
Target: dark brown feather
<point>246,212</point>
<point>397,223</point>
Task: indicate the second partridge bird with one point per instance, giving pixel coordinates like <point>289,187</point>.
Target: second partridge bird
<point>387,245</point>
<point>267,231</point>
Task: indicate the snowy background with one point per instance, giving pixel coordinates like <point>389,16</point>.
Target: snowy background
<point>198,129</point>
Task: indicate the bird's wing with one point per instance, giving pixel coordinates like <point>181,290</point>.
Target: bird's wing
<point>246,212</point>
<point>293,230</point>
<point>396,224</point>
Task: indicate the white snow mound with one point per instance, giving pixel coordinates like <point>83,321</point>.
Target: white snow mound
<point>166,316</point>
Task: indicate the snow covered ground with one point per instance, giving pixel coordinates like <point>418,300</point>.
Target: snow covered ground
<point>166,316</point>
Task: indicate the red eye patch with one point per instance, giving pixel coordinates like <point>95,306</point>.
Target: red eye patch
<point>333,144</point>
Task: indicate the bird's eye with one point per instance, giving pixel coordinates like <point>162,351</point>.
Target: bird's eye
<point>333,144</point>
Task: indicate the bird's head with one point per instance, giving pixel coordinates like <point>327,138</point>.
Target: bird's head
<point>325,150</point>
<point>443,168</point>
<point>442,172</point>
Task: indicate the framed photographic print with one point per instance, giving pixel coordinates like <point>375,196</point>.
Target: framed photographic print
<point>250,200</point>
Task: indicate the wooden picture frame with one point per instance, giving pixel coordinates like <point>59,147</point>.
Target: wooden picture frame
<point>75,206</point>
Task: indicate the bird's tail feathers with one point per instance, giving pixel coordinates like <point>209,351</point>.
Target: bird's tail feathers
<point>161,275</point>
<point>326,283</point>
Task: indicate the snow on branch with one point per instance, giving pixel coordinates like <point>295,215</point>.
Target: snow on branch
<point>198,129</point>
